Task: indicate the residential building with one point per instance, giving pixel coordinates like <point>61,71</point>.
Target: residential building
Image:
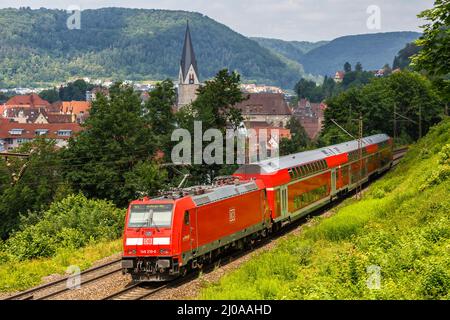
<point>13,134</point>
<point>27,101</point>
<point>78,109</point>
<point>339,76</point>
<point>310,116</point>
<point>253,88</point>
<point>265,107</point>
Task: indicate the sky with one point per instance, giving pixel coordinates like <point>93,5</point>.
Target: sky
<point>302,20</point>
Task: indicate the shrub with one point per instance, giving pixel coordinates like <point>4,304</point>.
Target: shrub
<point>70,223</point>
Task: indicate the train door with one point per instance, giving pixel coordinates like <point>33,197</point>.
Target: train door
<point>333,180</point>
<point>284,201</point>
<point>193,230</point>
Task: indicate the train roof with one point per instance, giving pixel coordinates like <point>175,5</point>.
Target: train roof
<point>223,192</point>
<point>273,165</point>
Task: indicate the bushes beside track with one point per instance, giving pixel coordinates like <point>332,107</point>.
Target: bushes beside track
<point>72,222</point>
<point>397,237</point>
<point>75,230</point>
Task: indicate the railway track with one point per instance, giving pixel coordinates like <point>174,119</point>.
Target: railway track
<point>140,291</point>
<point>58,287</point>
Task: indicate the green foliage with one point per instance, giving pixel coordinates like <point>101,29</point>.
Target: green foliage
<point>434,56</point>
<point>159,115</point>
<point>214,108</point>
<point>29,184</point>
<point>409,93</point>
<point>71,223</point>
<point>74,91</point>
<point>399,228</point>
<point>119,44</point>
<point>403,59</point>
<point>116,138</point>
<point>299,139</point>
<point>442,171</point>
<point>50,95</point>
<point>21,275</point>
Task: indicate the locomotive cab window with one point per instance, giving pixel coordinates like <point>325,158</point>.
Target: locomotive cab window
<point>150,215</point>
<point>186,218</point>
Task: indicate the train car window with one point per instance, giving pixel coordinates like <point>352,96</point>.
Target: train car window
<point>186,218</point>
<point>291,173</point>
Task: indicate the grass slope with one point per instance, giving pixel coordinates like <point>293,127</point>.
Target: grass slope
<point>402,227</point>
<point>15,276</point>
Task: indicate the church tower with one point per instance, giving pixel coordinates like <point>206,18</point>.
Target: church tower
<point>188,80</point>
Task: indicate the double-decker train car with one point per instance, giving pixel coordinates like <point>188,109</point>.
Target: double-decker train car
<point>167,236</point>
<point>300,183</point>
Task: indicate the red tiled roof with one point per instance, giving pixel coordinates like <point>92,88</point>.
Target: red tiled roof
<point>75,107</point>
<point>264,104</point>
<point>32,100</point>
<point>30,128</point>
<point>340,74</point>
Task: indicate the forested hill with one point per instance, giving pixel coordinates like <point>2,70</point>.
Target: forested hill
<point>325,58</point>
<point>36,47</point>
<point>372,50</point>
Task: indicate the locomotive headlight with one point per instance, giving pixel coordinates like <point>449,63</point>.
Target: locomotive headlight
<point>164,251</point>
<point>132,251</point>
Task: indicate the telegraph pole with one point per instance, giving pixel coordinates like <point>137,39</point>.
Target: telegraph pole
<point>360,152</point>
<point>395,122</point>
<point>360,145</point>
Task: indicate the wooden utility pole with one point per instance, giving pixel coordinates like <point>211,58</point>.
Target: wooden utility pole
<point>395,122</point>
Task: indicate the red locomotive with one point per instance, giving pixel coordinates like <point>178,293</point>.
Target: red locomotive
<point>165,237</point>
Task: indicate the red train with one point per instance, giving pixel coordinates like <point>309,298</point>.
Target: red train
<point>165,237</point>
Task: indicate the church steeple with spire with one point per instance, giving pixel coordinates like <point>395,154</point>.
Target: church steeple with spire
<point>188,79</point>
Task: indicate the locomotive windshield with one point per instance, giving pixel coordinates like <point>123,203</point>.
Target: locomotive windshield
<point>150,215</point>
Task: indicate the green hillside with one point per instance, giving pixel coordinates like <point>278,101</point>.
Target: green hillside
<point>372,50</point>
<point>36,47</point>
<point>399,231</point>
<point>293,50</point>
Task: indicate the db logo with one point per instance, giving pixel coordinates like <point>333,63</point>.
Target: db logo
<point>148,241</point>
<point>232,215</point>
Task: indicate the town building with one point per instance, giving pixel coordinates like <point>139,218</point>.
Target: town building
<point>13,134</point>
<point>27,101</point>
<point>188,79</point>
<point>271,108</point>
<point>79,110</point>
<point>253,88</point>
<point>311,117</point>
<point>339,76</point>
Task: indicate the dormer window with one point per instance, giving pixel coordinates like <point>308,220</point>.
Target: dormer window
<point>191,78</point>
<point>40,132</point>
<point>16,132</point>
<point>65,133</point>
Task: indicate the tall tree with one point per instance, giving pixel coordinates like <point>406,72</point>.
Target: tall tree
<point>116,138</point>
<point>299,139</point>
<point>215,101</point>
<point>347,67</point>
<point>214,107</point>
<point>434,56</point>
<point>160,115</point>
<point>359,67</point>
<point>29,184</point>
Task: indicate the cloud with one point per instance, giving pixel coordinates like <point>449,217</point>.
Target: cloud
<point>310,20</point>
